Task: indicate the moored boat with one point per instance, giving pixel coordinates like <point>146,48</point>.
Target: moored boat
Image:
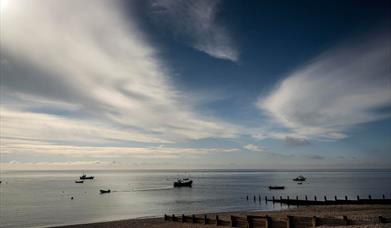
<point>299,178</point>
<point>79,182</point>
<point>276,187</point>
<point>104,191</point>
<point>85,177</point>
<point>185,182</point>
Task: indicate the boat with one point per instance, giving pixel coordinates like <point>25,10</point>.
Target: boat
<point>300,183</point>
<point>105,191</point>
<point>185,182</point>
<point>79,182</point>
<point>299,178</point>
<point>276,187</point>
<point>85,177</point>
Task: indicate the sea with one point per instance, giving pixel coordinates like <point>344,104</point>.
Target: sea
<point>43,198</point>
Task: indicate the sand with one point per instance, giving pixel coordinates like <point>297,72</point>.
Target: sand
<point>355,212</point>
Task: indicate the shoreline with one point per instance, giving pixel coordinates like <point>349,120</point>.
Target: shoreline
<point>355,212</point>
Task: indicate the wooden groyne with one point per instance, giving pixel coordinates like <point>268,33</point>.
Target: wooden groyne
<point>251,221</point>
<point>325,201</point>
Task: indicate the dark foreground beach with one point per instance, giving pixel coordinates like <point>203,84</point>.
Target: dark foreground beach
<point>354,212</point>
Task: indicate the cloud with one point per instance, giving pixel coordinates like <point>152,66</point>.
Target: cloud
<point>345,86</point>
<point>292,141</point>
<point>255,148</point>
<point>84,79</point>
<point>195,22</point>
<point>316,157</point>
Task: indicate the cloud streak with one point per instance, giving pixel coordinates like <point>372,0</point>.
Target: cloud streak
<point>345,86</point>
<point>196,24</point>
<point>84,79</point>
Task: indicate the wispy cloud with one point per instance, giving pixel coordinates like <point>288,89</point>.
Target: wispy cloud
<point>253,147</point>
<point>345,86</point>
<point>195,23</point>
<point>79,79</point>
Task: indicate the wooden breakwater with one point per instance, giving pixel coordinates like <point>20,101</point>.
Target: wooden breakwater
<point>325,201</point>
<point>251,221</point>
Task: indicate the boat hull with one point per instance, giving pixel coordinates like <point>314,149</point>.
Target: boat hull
<point>183,184</point>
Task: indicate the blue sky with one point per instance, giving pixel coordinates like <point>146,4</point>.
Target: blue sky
<point>195,84</point>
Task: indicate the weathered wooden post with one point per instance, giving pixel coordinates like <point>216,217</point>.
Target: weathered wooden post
<point>280,198</point>
<point>358,198</point>
<point>325,198</point>
<point>266,199</point>
<point>297,197</point>
<point>383,197</point>
<point>314,221</point>
<point>193,220</point>
<point>315,198</point>
<point>335,197</point>
<point>346,198</point>
<point>173,217</point>
<point>255,198</point>
<point>306,197</point>
<point>247,198</point>
<point>273,198</point>
<point>233,221</point>
<point>165,217</point>
<point>289,222</point>
<point>183,218</point>
<point>369,197</point>
<point>205,219</point>
<point>346,220</point>
<point>217,220</point>
<point>250,221</point>
<point>287,197</point>
<point>268,222</point>
<point>259,197</point>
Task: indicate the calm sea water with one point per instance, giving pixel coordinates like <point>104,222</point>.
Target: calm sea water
<point>42,198</point>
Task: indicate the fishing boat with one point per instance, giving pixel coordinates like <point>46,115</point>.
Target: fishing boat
<point>79,182</point>
<point>276,187</point>
<point>185,182</point>
<point>105,191</point>
<point>299,178</point>
<point>85,177</point>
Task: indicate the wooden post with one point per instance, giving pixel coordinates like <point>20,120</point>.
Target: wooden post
<point>232,221</point>
<point>205,219</point>
<point>289,222</point>
<point>268,222</point>
<point>249,221</point>
<point>173,217</point>
<point>183,218</point>
<point>314,221</point>
<point>280,197</point>
<point>369,197</point>
<point>306,197</point>
<point>358,198</point>
<point>255,198</point>
<point>297,197</point>
<point>315,198</point>
<point>165,217</point>
<point>273,198</point>
<point>384,197</point>
<point>381,219</point>
<point>346,198</point>
<point>247,198</point>
<point>325,198</point>
<point>193,219</point>
<point>217,220</point>
<point>266,198</point>
<point>335,197</point>
<point>346,220</point>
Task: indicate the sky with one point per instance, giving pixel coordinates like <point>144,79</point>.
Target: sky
<point>196,84</point>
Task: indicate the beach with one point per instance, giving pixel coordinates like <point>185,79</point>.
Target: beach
<point>353,212</point>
